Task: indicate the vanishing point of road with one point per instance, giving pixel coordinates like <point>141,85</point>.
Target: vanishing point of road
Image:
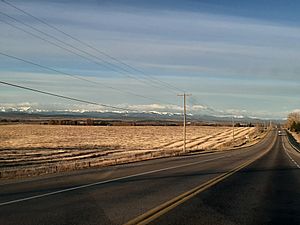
<point>253,185</point>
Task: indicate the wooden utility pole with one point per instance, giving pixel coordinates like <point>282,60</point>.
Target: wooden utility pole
<point>233,130</point>
<point>184,95</point>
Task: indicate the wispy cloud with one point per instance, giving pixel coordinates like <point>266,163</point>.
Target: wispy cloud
<point>230,61</point>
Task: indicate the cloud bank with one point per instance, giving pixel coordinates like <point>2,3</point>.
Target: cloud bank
<point>226,61</point>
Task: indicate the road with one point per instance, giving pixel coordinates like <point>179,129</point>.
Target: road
<point>254,185</point>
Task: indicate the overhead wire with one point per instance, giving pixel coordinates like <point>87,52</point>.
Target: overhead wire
<point>194,102</point>
<point>104,63</point>
<point>93,48</point>
<point>72,75</point>
<point>146,77</point>
<point>64,97</point>
<point>71,51</point>
<point>87,45</point>
<point>68,50</point>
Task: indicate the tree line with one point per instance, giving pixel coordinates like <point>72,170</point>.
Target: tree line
<point>293,122</point>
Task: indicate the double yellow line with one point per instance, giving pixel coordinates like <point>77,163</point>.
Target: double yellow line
<point>167,206</point>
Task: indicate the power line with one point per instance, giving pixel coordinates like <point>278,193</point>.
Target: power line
<point>34,35</point>
<point>74,76</point>
<point>104,63</point>
<point>193,101</point>
<point>86,44</point>
<point>71,51</point>
<point>46,40</point>
<point>152,80</point>
<point>64,97</point>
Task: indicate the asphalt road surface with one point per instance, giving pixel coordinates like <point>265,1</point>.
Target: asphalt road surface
<point>254,185</point>
<point>266,192</point>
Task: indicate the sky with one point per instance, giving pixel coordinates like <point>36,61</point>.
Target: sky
<point>235,57</point>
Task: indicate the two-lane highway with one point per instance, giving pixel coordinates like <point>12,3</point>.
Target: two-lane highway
<point>120,194</point>
<point>266,192</point>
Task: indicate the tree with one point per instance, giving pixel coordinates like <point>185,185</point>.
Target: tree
<point>293,122</point>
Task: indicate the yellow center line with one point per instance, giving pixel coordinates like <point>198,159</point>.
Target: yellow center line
<point>158,211</point>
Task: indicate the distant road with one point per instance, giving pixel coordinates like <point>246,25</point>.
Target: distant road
<point>255,185</point>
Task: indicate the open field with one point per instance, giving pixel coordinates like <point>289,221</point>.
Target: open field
<point>28,146</point>
<point>112,137</point>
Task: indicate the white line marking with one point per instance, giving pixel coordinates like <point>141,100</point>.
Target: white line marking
<point>112,180</point>
<point>120,166</point>
<point>104,182</point>
<point>294,147</point>
<point>286,151</point>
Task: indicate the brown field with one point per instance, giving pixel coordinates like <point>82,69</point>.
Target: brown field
<point>111,137</point>
<point>42,145</point>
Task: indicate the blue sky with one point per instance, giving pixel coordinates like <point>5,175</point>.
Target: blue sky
<point>238,57</point>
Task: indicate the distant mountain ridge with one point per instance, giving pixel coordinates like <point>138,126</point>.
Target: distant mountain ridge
<point>140,116</point>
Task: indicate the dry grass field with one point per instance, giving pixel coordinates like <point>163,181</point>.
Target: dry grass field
<point>42,145</point>
<point>107,137</point>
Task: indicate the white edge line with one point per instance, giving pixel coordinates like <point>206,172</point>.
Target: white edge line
<point>293,146</point>
<point>286,152</point>
<point>104,182</point>
<point>61,175</point>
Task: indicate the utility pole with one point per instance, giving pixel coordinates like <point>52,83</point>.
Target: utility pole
<point>184,95</point>
<point>233,130</point>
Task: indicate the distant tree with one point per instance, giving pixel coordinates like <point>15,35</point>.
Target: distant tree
<point>293,122</point>
<point>53,122</point>
<point>237,125</point>
<point>90,122</point>
<point>295,127</point>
